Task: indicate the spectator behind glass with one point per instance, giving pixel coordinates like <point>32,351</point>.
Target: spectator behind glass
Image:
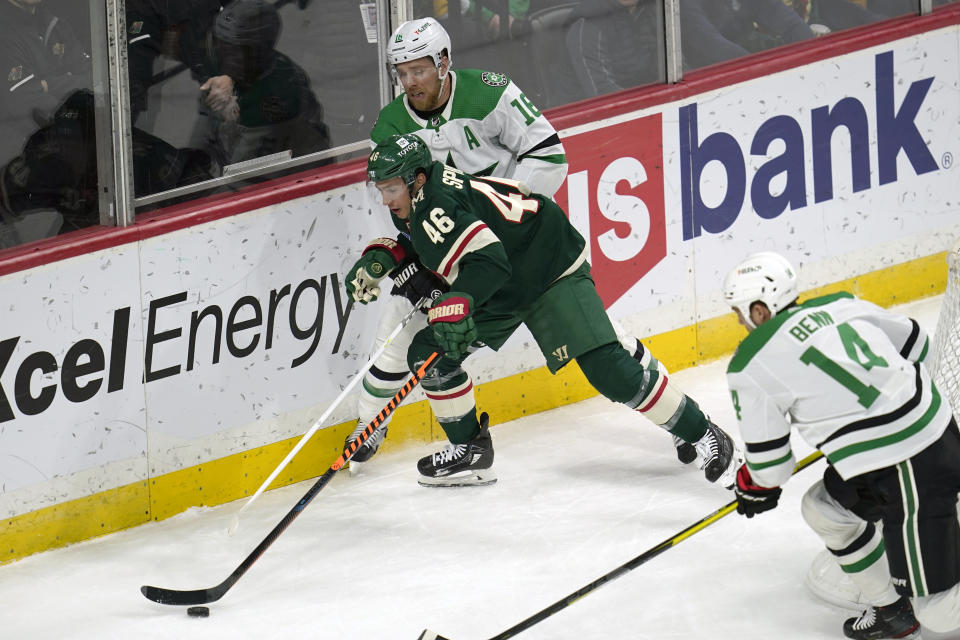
<point>51,187</point>
<point>846,14</point>
<point>490,21</point>
<point>616,44</point>
<point>272,107</point>
<point>832,15</point>
<point>43,62</point>
<point>172,28</point>
<point>716,30</point>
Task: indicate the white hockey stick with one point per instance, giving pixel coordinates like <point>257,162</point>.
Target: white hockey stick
<point>326,414</point>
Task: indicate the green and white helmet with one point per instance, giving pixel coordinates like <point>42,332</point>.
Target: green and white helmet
<point>414,39</point>
<point>765,277</point>
<point>399,157</point>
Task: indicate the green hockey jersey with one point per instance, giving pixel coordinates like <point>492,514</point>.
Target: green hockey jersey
<point>456,216</point>
<point>487,128</point>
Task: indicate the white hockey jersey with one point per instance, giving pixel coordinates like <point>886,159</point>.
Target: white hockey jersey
<point>848,375</point>
<point>487,128</point>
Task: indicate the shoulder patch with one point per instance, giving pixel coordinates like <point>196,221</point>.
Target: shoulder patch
<point>494,79</point>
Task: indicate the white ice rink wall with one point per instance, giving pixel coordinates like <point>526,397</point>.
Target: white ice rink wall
<point>178,368</point>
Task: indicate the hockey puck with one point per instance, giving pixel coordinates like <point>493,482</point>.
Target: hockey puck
<point>198,612</point>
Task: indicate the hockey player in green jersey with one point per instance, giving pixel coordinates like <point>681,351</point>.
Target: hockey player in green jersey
<point>510,257</point>
<point>476,121</point>
<point>850,377</point>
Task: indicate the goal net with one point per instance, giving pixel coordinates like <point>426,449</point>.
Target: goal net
<point>945,357</point>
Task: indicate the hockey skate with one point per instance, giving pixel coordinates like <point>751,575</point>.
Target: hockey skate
<point>368,448</point>
<point>461,465</point>
<point>718,456</point>
<point>686,452</point>
<point>879,623</point>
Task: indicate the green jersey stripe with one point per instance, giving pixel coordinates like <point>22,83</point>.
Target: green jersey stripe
<point>377,392</point>
<point>891,439</point>
<point>866,561</point>
<point>910,529</point>
<point>756,466</point>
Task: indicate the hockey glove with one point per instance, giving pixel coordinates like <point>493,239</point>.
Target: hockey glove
<point>379,258</point>
<point>452,323</point>
<point>751,498</point>
<point>414,281</point>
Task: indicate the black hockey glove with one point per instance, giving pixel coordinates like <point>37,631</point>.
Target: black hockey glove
<point>414,281</point>
<point>751,498</point>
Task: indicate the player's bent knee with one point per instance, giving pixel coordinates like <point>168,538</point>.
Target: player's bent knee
<point>611,371</point>
<point>421,347</point>
<point>939,612</point>
<point>836,526</point>
<point>617,375</point>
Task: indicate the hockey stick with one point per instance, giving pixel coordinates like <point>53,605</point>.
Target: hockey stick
<point>326,414</point>
<point>212,594</point>
<point>622,569</point>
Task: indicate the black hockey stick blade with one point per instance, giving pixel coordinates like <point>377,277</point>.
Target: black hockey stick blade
<point>197,596</point>
<point>626,567</point>
<point>205,596</point>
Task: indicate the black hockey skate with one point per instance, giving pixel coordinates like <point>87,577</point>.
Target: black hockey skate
<point>461,465</point>
<point>718,456</point>
<point>879,623</point>
<point>368,448</point>
<point>686,452</point>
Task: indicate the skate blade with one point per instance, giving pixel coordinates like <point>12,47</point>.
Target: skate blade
<point>473,479</point>
<point>355,468</point>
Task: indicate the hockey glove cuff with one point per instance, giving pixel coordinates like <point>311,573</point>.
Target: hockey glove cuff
<point>453,326</point>
<point>379,258</point>
<point>751,498</point>
<point>414,282</point>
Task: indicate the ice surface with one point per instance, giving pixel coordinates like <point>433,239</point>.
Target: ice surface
<point>582,489</point>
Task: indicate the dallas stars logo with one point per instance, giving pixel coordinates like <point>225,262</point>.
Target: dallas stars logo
<point>494,79</point>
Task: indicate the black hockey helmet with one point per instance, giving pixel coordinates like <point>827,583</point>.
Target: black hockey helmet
<point>248,23</point>
<point>244,36</point>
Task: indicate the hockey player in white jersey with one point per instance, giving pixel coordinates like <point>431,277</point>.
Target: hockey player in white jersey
<point>481,123</point>
<point>850,377</point>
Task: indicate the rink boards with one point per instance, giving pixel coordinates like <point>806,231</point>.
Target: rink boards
<point>177,367</point>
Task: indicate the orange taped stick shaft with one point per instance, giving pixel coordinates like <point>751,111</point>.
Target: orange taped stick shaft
<point>390,407</point>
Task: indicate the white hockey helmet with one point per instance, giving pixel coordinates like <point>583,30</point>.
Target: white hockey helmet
<point>414,39</point>
<point>766,277</point>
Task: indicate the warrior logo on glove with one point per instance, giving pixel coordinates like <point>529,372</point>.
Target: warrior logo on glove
<point>452,324</point>
<point>415,282</point>
<point>450,311</point>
